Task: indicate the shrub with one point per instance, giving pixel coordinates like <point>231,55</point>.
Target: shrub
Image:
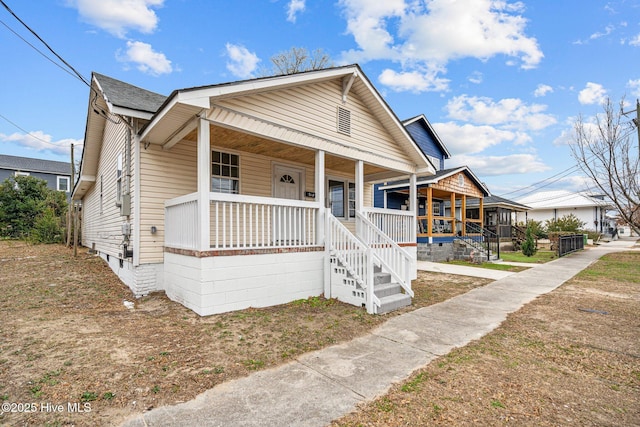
<point>569,223</point>
<point>24,201</point>
<point>47,228</point>
<point>529,246</point>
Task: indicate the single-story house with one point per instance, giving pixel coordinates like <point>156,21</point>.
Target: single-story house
<point>251,193</point>
<point>554,204</point>
<point>56,174</point>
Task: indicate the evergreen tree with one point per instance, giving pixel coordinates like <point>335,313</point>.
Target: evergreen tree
<point>529,245</point>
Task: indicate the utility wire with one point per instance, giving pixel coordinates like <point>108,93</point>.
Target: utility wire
<point>37,50</point>
<point>562,174</point>
<point>78,75</point>
<point>34,136</point>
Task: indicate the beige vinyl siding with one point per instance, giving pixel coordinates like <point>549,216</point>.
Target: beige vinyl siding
<point>164,175</point>
<point>313,110</point>
<point>104,229</point>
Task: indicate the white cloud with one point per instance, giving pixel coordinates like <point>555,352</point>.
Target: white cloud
<point>634,85</point>
<point>119,16</point>
<point>542,90</point>
<point>593,93</point>
<point>242,63</point>
<point>293,8</point>
<point>414,81</point>
<point>501,165</point>
<point>510,113</point>
<point>40,141</point>
<point>428,35</point>
<point>469,139</point>
<point>146,60</point>
<point>635,41</point>
<point>476,77</point>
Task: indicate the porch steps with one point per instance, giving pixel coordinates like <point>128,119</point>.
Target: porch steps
<point>389,293</point>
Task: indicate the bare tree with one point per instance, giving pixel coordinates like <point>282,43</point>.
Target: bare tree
<point>297,60</point>
<point>605,152</point>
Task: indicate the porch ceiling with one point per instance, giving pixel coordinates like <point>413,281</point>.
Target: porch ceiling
<point>249,143</point>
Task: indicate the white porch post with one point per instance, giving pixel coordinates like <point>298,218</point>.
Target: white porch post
<point>359,191</point>
<point>322,228</point>
<point>204,184</point>
<point>413,205</point>
<point>320,196</point>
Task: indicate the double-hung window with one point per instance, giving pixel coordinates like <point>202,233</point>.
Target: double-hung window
<point>342,198</point>
<point>225,172</point>
<point>63,183</point>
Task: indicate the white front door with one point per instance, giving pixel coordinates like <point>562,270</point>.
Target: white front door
<point>288,184</point>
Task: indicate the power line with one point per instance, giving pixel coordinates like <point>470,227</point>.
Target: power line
<point>562,174</point>
<point>32,135</point>
<point>37,50</point>
<point>78,75</point>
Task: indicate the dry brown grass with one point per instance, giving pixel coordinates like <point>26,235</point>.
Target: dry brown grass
<point>571,357</point>
<point>66,336</point>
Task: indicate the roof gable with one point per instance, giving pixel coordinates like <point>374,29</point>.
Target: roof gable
<point>425,135</point>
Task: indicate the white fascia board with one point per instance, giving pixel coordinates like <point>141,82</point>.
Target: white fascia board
<point>234,89</point>
<point>129,112</point>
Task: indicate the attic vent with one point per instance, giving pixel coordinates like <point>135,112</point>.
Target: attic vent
<point>344,121</point>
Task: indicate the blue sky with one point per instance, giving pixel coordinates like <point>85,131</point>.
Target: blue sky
<point>501,81</point>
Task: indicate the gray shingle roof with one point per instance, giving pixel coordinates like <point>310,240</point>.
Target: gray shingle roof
<point>29,164</point>
<point>125,95</point>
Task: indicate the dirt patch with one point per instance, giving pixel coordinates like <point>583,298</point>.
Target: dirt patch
<point>68,339</point>
<point>571,357</point>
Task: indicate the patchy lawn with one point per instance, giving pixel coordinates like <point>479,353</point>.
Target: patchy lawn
<point>68,339</point>
<point>570,357</point>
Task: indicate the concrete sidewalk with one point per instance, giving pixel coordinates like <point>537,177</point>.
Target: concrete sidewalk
<point>326,384</point>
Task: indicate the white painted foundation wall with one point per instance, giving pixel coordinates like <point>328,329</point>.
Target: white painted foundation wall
<point>218,284</point>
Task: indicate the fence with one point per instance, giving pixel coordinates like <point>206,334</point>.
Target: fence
<point>570,243</point>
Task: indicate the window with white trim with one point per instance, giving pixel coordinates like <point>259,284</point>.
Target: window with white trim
<point>342,198</point>
<point>436,208</point>
<point>63,183</point>
<point>225,172</point>
<point>18,173</point>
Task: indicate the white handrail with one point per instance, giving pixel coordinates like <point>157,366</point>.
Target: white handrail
<point>398,225</point>
<point>393,258</point>
<point>354,255</point>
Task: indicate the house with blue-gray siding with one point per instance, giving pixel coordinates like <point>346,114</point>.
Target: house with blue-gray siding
<point>56,174</point>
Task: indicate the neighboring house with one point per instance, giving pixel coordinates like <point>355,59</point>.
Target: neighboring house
<point>501,216</point>
<point>252,193</point>
<point>437,225</point>
<point>548,205</point>
<point>57,174</point>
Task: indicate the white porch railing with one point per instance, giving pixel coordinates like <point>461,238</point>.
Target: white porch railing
<point>393,258</point>
<point>181,224</point>
<point>400,226</point>
<point>242,222</point>
<point>354,255</point>
<point>261,222</point>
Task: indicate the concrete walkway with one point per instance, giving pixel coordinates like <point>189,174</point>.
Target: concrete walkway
<point>326,384</point>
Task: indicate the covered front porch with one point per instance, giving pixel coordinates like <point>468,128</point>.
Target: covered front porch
<point>270,221</point>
